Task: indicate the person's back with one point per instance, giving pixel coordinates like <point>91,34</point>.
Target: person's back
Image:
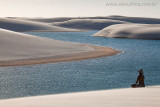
<point>140,80</point>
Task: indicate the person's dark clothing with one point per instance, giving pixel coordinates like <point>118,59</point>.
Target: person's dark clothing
<point>140,80</point>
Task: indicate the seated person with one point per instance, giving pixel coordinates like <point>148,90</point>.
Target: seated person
<point>140,80</point>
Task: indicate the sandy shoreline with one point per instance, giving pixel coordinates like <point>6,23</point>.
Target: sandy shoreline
<point>96,53</point>
<point>19,49</point>
<point>128,97</point>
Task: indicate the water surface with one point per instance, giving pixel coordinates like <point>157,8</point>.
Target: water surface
<point>95,74</point>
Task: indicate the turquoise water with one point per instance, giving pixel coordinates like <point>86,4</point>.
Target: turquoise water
<point>96,74</point>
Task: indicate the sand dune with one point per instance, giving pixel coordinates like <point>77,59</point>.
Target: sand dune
<point>139,97</point>
<point>25,26</point>
<point>22,49</point>
<point>143,20</point>
<point>89,24</point>
<point>54,19</point>
<point>132,31</point>
<point>83,23</point>
<point>44,20</point>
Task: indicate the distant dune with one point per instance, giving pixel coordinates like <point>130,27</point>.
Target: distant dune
<point>113,26</point>
<point>25,26</point>
<point>82,23</point>
<point>143,20</point>
<point>88,24</point>
<point>22,49</point>
<point>132,31</point>
<point>44,20</point>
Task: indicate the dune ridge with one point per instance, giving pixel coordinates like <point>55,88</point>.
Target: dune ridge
<point>144,20</point>
<point>26,26</point>
<point>88,24</point>
<point>47,20</point>
<point>131,31</point>
<point>73,23</point>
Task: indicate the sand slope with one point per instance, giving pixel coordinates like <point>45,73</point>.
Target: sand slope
<point>15,45</point>
<point>22,49</point>
<point>140,97</point>
<point>88,24</point>
<point>25,26</point>
<point>132,31</point>
<point>44,20</point>
<point>143,20</point>
<point>83,23</point>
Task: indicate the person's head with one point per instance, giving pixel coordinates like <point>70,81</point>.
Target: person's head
<point>140,71</point>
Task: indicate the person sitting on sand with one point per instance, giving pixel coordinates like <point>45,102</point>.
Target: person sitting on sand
<point>140,80</point>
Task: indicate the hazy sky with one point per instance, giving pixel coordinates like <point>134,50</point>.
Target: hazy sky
<point>60,8</point>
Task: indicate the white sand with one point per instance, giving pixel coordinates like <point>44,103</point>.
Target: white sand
<point>44,20</point>
<point>88,24</point>
<point>28,49</point>
<point>132,31</point>
<point>15,46</point>
<point>144,20</point>
<point>72,23</point>
<point>19,25</point>
<point>137,97</point>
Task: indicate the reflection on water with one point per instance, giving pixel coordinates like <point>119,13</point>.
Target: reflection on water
<point>96,74</point>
